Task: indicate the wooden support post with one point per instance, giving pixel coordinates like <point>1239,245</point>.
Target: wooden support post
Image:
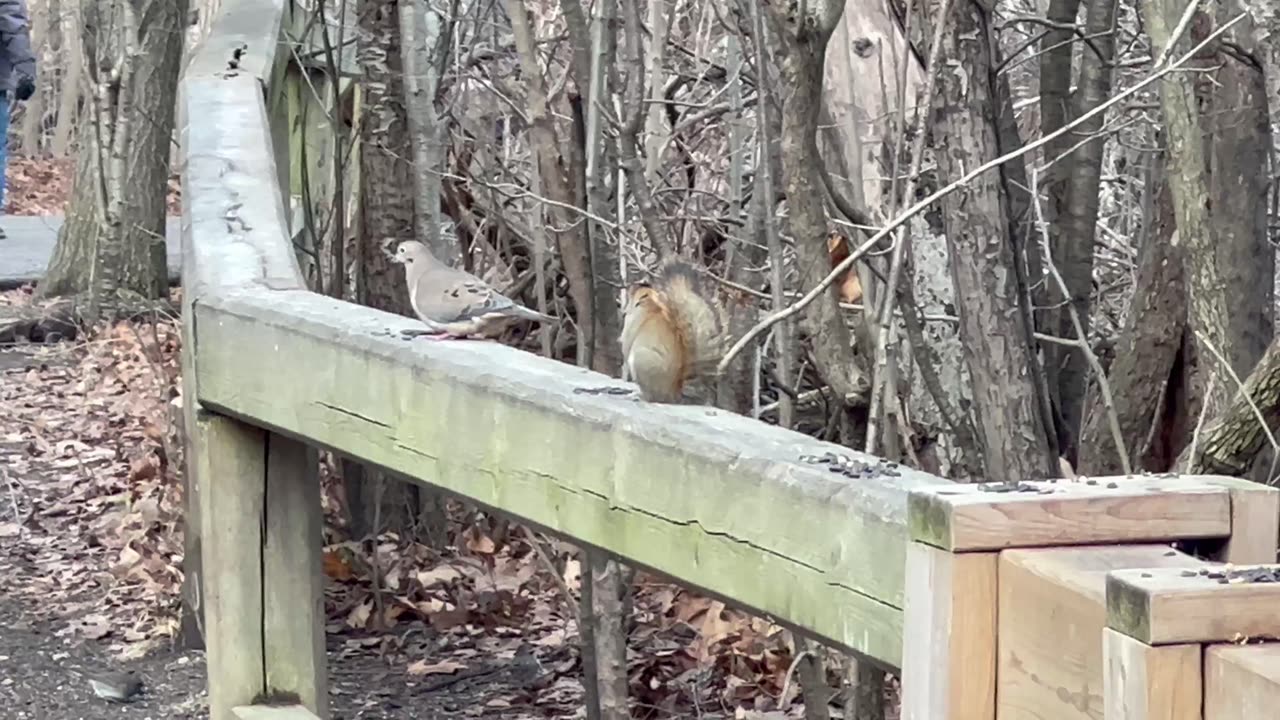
<point>293,612</point>
<point>1051,616</point>
<point>1158,621</point>
<point>1241,682</point>
<point>232,470</point>
<point>1255,523</point>
<point>1143,682</point>
<point>263,606</point>
<point>949,642</point>
<point>955,630</point>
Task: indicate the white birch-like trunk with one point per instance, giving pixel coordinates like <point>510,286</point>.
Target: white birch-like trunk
<point>419,52</point>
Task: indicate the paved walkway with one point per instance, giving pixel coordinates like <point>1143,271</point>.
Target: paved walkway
<point>25,253</point>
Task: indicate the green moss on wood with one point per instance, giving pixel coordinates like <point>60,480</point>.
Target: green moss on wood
<point>929,519</point>
<point>1128,609</point>
<point>793,547</point>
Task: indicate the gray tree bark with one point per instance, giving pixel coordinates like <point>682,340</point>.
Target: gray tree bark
<point>139,262</point>
<point>1010,424</point>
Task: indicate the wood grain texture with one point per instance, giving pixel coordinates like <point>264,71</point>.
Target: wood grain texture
<point>949,651</point>
<point>1150,683</point>
<point>1255,526</point>
<point>1051,616</point>
<point>293,607</point>
<point>1163,607</point>
<point>714,500</point>
<point>1241,682</point>
<point>232,477</point>
<point>964,518</point>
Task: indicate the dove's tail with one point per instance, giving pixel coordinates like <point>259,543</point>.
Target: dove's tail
<point>525,313</point>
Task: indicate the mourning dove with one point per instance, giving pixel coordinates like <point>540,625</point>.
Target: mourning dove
<point>454,303</point>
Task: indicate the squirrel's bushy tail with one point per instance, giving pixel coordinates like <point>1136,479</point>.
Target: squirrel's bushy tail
<point>700,318</point>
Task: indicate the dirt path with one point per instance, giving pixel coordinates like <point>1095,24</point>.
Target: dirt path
<point>43,677</point>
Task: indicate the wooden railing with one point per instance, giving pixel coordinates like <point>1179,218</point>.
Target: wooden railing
<point>900,567</point>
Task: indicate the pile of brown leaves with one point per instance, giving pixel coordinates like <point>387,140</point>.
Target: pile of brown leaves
<point>38,186</point>
<point>90,462</point>
<point>42,186</point>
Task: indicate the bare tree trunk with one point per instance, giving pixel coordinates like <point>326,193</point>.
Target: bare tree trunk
<point>32,132</point>
<point>1073,253</point>
<point>135,265</point>
<point>802,58</point>
<point>567,226</point>
<point>611,608</point>
<point>1057,47</point>
<point>69,99</point>
<point>1230,442</point>
<point>420,52</point>
<point>1146,371</point>
<point>387,211</point>
<point>1209,309</point>
<point>1239,147</point>
<point>1010,423</point>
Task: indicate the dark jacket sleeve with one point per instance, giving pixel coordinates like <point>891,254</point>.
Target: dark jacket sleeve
<point>15,37</point>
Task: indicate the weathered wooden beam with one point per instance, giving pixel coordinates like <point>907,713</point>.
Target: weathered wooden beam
<point>293,603</point>
<point>235,232</point>
<point>965,518</point>
<point>232,470</point>
<point>246,32</point>
<point>1151,683</point>
<point>1165,606</point>
<point>949,651</point>
<point>1241,682</point>
<point>1051,615</point>
<point>713,499</point>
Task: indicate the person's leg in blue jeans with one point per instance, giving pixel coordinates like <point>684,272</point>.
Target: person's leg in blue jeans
<point>4,151</point>
<point>17,72</point>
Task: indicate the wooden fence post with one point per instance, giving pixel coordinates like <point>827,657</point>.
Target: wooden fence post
<point>294,585</point>
<point>973,649</point>
<point>261,521</point>
<point>232,470</point>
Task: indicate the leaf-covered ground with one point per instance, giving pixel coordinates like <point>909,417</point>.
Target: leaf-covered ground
<point>91,559</point>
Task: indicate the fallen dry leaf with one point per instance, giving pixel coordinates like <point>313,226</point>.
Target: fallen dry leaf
<point>444,667</point>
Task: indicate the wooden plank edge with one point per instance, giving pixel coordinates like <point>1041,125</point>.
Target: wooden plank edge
<point>944,516</point>
<point>1153,605</point>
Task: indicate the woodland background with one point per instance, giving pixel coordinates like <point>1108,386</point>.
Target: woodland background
<point>1049,227</point>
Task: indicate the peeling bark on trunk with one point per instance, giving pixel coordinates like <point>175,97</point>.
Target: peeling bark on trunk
<point>992,325</point>
<point>152,95</point>
<point>1239,147</point>
<point>1209,308</point>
